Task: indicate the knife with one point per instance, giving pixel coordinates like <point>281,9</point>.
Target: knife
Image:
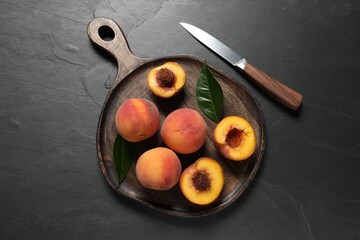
<point>275,89</point>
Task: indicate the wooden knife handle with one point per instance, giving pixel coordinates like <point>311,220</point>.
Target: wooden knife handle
<point>274,88</point>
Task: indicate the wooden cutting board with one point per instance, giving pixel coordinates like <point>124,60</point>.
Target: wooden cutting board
<point>130,82</point>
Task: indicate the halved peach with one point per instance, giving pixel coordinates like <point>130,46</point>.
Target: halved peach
<point>166,80</point>
<point>235,138</point>
<point>202,182</point>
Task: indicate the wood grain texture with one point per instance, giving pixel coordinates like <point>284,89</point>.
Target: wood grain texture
<point>131,82</point>
<point>274,88</point>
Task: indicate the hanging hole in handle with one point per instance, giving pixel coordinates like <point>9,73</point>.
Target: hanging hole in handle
<point>106,33</point>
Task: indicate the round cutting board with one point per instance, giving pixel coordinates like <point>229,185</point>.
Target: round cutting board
<point>131,83</point>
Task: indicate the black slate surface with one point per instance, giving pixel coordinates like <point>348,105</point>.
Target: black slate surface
<point>54,82</point>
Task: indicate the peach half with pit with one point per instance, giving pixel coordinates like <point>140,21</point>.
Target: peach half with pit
<point>235,138</point>
<point>137,119</point>
<point>166,80</point>
<point>184,130</point>
<point>158,169</point>
<point>202,182</point>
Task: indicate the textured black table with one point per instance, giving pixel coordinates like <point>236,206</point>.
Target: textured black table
<point>54,82</point>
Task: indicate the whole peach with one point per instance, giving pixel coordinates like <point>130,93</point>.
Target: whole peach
<point>137,119</point>
<point>184,130</point>
<point>158,169</point>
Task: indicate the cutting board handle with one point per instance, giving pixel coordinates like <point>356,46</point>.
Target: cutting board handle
<point>105,33</point>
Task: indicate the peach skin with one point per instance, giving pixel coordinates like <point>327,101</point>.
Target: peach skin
<point>184,131</point>
<point>158,169</point>
<point>137,119</point>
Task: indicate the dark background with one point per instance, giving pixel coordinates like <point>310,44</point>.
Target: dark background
<point>54,82</point>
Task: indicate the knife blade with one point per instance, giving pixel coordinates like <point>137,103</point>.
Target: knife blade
<point>275,89</point>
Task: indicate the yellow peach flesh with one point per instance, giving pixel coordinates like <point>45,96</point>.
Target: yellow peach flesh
<point>166,92</point>
<point>215,177</point>
<point>246,141</point>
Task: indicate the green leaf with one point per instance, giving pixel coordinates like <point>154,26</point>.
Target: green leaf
<point>121,156</point>
<point>209,95</point>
